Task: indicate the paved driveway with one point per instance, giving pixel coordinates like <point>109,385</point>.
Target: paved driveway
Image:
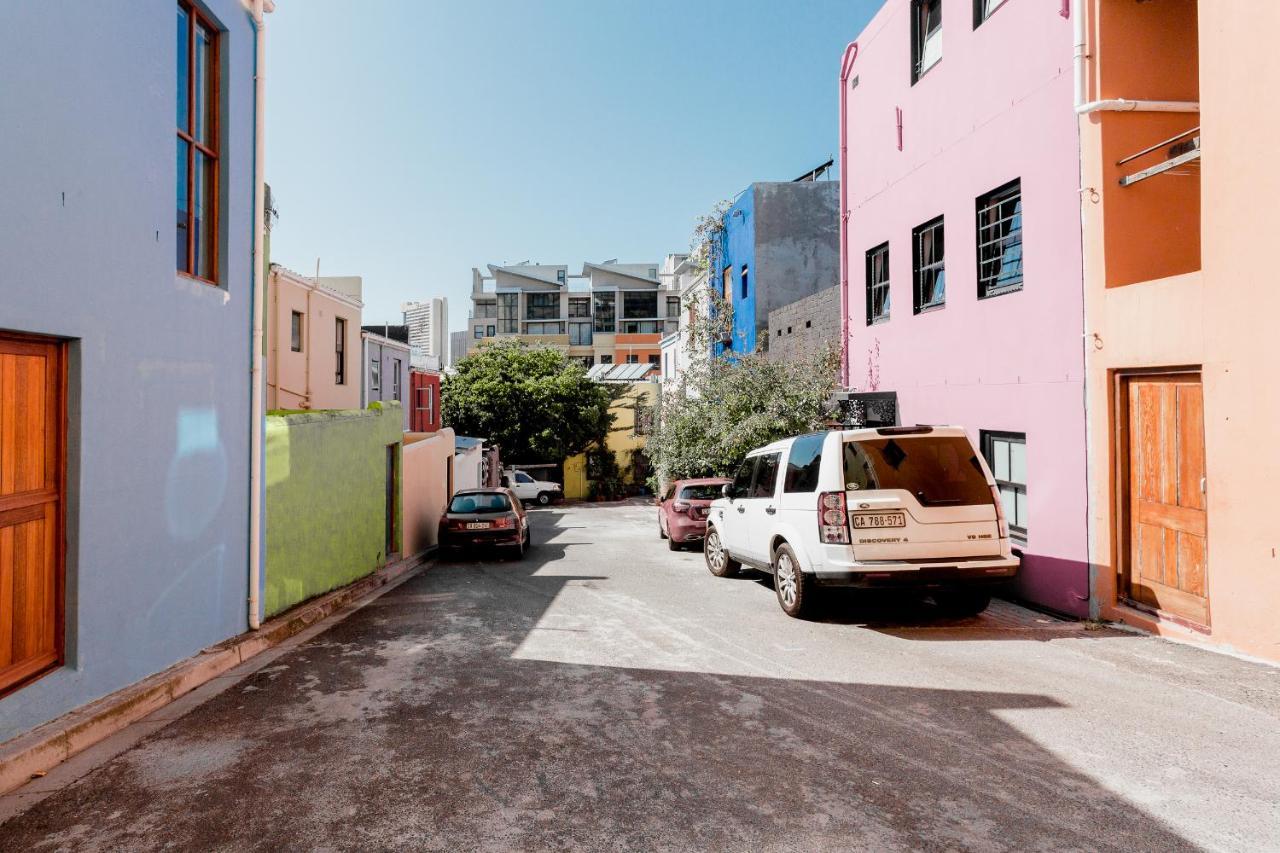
<point>605,694</point>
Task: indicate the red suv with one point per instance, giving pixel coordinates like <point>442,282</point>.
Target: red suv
<point>682,510</point>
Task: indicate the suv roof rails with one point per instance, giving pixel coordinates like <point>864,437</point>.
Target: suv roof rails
<point>918,429</point>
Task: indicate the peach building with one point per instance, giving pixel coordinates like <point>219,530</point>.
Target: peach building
<point>1180,342</point>
<point>313,341</point>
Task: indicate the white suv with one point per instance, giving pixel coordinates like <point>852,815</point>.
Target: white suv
<point>528,489</point>
<point>895,507</point>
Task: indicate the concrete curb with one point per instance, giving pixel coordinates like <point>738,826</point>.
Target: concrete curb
<point>34,753</point>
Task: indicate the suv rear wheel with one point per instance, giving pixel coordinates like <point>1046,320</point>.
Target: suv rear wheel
<point>793,587</point>
<point>719,563</point>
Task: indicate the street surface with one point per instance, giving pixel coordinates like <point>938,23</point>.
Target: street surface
<point>607,694</point>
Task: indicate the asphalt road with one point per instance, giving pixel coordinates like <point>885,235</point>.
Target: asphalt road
<point>606,694</point>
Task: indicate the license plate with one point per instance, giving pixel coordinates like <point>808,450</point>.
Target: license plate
<point>478,525</point>
<point>882,519</point>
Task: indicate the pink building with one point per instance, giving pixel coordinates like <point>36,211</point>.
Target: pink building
<point>961,257</point>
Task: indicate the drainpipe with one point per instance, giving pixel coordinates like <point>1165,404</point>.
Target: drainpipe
<point>1080,54</point>
<point>256,407</point>
<point>846,67</point>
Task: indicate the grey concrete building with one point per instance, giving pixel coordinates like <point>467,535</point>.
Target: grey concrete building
<point>805,326</point>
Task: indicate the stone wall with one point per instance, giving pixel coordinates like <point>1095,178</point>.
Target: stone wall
<point>805,325</point>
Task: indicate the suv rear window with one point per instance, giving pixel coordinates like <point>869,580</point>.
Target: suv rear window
<point>938,470</point>
<point>480,502</point>
<point>703,492</point>
<point>803,462</point>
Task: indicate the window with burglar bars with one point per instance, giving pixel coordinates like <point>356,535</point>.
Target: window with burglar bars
<point>926,36</point>
<point>878,284</point>
<point>929,267</point>
<point>542,306</point>
<point>340,351</point>
<point>508,313</point>
<point>1006,453</point>
<point>604,306</point>
<point>197,154</point>
<point>983,9</point>
<point>1000,240</point>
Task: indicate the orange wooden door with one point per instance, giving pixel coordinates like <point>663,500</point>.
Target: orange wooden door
<point>1168,524</point>
<point>31,502</point>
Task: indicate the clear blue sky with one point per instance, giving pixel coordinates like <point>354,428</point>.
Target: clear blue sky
<point>410,141</point>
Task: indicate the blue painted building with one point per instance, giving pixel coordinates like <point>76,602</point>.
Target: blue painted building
<point>780,243</point>
<point>138,287</point>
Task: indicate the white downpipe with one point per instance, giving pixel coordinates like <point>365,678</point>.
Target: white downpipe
<point>256,407</point>
<point>1124,105</point>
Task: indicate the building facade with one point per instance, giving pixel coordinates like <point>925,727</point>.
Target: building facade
<point>385,376</point>
<point>1180,345</point>
<point>610,313</point>
<point>962,254</point>
<point>457,347</point>
<point>779,243</point>
<point>424,401</point>
<point>428,323</point>
<point>313,339</point>
<point>125,344</point>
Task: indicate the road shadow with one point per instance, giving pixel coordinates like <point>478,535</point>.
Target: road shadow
<point>416,724</point>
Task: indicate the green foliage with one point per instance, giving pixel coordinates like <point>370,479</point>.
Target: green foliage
<point>605,475</point>
<point>723,409</point>
<point>534,401</point>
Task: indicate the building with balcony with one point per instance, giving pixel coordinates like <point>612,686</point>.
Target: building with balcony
<point>609,313</point>
<point>961,264</point>
<point>1180,346</point>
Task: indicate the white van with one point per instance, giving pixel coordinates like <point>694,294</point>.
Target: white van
<point>895,507</point>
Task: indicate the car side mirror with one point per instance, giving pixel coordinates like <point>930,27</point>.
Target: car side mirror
<point>728,491</point>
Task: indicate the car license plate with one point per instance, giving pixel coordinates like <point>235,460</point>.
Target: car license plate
<point>880,519</point>
<point>478,525</point>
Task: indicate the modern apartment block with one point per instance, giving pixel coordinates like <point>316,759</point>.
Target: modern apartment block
<point>428,324</point>
<point>610,313</point>
<point>1181,348</point>
<point>961,258</point>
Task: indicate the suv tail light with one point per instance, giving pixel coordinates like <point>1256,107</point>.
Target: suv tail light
<point>833,519</point>
<point>680,506</point>
<point>1000,522</point>
<point>504,521</point>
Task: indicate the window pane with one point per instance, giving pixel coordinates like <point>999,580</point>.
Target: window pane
<point>1008,499</point>
<point>184,69</point>
<point>1018,462</point>
<point>1022,509</point>
<point>183,204</point>
<point>1000,458</point>
<point>202,178</point>
<point>205,105</point>
<point>802,464</point>
<point>766,476</point>
<point>639,304</point>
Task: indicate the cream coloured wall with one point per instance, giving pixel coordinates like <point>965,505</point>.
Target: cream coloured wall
<point>427,460</point>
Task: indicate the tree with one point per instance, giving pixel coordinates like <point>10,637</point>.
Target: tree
<point>535,402</point>
<point>728,403</point>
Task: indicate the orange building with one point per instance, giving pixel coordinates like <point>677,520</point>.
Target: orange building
<point>1182,357</point>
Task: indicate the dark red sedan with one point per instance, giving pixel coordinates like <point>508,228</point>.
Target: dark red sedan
<point>683,508</point>
<point>485,518</point>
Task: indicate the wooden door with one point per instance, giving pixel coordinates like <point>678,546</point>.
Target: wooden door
<point>392,545</point>
<point>32,411</point>
<point>1165,482</point>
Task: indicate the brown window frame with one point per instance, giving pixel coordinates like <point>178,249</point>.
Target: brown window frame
<point>297,334</point>
<point>340,350</point>
<point>196,18</point>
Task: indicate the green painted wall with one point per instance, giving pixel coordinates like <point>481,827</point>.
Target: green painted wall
<point>326,499</point>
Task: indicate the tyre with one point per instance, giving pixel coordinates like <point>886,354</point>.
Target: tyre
<point>544,498</point>
<point>673,545</point>
<point>962,602</point>
<point>793,587</point>
<point>719,563</point>
<point>662,531</point>
<point>522,547</point>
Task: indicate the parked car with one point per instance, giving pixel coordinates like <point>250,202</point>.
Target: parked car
<point>683,509</point>
<point>528,489</point>
<point>912,507</point>
<point>485,518</point>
